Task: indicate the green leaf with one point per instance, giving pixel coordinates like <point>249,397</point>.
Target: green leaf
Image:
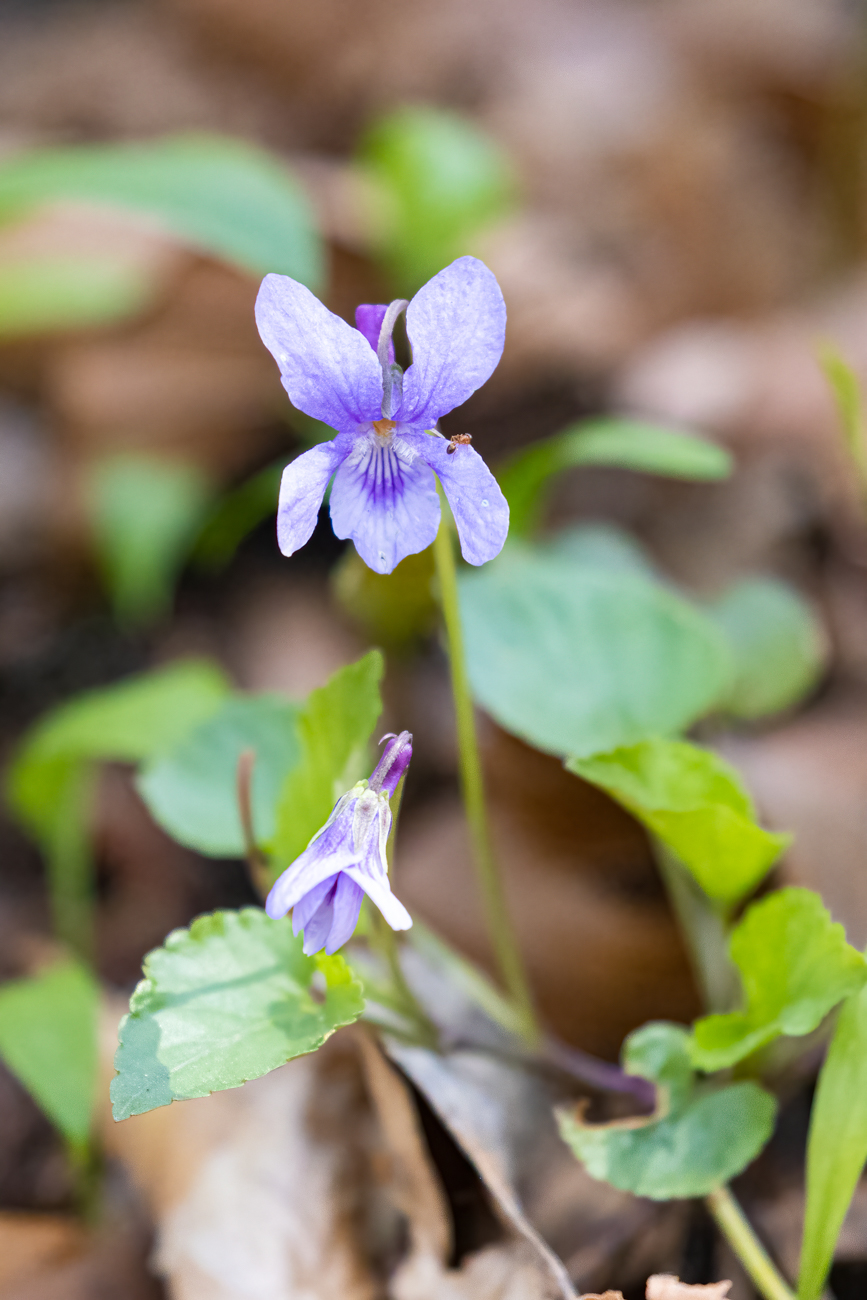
<point>837,1144</point>
<point>850,407</point>
<point>192,790</point>
<point>579,661</point>
<point>439,180</point>
<point>778,643</point>
<point>334,727</point>
<point>48,1040</point>
<point>125,722</point>
<point>795,966</point>
<point>236,515</point>
<point>220,195</point>
<point>696,804</point>
<point>697,1140</point>
<point>62,293</point>
<point>145,514</point>
<point>225,1001</point>
<point>626,444</point>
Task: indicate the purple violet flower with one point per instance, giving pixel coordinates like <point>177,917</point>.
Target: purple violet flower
<point>384,493</point>
<point>346,860</point>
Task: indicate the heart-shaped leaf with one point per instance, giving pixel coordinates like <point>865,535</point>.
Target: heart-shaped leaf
<point>795,966</point>
<point>699,1138</point>
<point>696,804</point>
<point>225,1001</point>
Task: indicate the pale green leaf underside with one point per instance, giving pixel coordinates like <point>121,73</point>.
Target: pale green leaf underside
<point>837,1146</point>
<point>795,966</point>
<point>580,661</point>
<point>48,1040</point>
<point>192,791</point>
<point>221,1003</point>
<point>694,802</point>
<point>699,1138</point>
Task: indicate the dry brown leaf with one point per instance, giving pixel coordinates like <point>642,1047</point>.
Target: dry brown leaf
<point>30,1243</point>
<point>664,1286</point>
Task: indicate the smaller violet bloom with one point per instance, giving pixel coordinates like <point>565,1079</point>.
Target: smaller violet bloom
<point>387,449</point>
<point>346,860</point>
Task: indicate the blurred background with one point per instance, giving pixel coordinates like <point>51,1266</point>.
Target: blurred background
<point>673,197</point>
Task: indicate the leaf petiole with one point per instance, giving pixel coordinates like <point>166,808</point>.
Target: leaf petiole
<point>736,1228</point>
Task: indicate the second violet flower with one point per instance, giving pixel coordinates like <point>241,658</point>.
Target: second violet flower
<point>387,448</point>
<point>346,860</point>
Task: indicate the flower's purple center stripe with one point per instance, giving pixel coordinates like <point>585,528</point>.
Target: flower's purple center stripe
<point>392,375</point>
<point>394,762</point>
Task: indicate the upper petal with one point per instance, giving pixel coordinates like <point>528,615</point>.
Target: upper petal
<point>481,511</point>
<point>327,367</point>
<point>384,497</point>
<point>457,327</point>
<point>328,853</point>
<point>368,318</point>
<point>302,488</point>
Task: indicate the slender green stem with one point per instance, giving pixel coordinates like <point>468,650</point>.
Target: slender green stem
<point>384,939</point>
<point>704,930</point>
<point>71,875</point>
<point>735,1227</point>
<point>472,785</point>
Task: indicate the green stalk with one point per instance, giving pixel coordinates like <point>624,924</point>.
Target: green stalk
<point>735,1227</point>
<point>472,786</point>
<point>383,938</point>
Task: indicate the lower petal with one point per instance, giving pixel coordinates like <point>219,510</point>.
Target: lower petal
<point>381,896</point>
<point>306,907</point>
<point>384,497</point>
<point>302,489</point>
<point>347,905</point>
<point>481,511</point>
<point>318,928</point>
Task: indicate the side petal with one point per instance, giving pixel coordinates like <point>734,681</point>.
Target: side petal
<point>327,367</point>
<point>381,896</point>
<point>384,497</point>
<point>457,327</point>
<point>302,488</point>
<point>481,511</point>
<point>329,853</point>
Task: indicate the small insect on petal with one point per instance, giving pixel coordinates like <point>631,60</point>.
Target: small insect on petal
<point>458,440</point>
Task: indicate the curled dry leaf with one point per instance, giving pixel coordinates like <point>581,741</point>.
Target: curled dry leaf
<point>664,1286</point>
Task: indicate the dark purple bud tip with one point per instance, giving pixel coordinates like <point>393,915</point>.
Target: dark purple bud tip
<point>393,764</point>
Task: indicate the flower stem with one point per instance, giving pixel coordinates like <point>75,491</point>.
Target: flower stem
<point>472,786</point>
<point>735,1227</point>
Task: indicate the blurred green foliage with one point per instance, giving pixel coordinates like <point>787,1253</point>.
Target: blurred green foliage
<point>438,181</point>
<point>222,196</point>
<point>779,646</point>
<point>48,1027</point>
<point>60,293</point>
<point>145,513</point>
<point>525,477</point>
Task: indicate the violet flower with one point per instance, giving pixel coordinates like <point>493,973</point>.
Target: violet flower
<point>384,493</point>
<point>346,860</point>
